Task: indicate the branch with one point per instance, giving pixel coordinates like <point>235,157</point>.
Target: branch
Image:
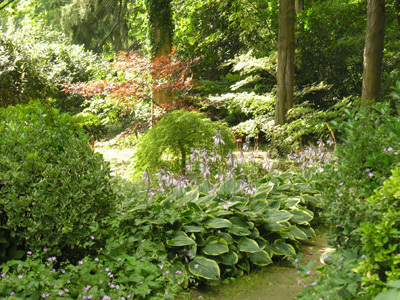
<point>112,29</point>
<point>9,2</point>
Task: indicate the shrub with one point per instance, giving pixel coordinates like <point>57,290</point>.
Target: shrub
<point>380,237</point>
<point>371,143</point>
<point>38,72</point>
<point>169,143</point>
<point>55,190</point>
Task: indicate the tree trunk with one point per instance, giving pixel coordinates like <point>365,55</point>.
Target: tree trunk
<point>397,4</point>
<point>299,4</point>
<point>285,87</point>
<point>161,28</point>
<point>373,51</point>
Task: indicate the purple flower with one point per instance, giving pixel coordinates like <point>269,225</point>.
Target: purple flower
<point>29,252</point>
<point>45,250</point>
<point>340,267</point>
<point>371,174</point>
<point>20,276</point>
<point>314,283</point>
<point>12,294</point>
<point>340,195</point>
<point>92,237</point>
<point>363,256</point>
<point>96,259</point>
<point>80,262</point>
<point>122,213</point>
<point>196,266</point>
<point>367,170</point>
<point>296,260</point>
<point>119,259</point>
<point>389,149</point>
<point>341,183</point>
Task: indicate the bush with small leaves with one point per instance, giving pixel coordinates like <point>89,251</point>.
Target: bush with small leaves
<point>55,191</point>
<point>169,143</point>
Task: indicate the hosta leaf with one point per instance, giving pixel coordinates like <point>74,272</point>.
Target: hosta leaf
<point>301,186</point>
<point>216,248</point>
<point>200,241</point>
<point>220,213</point>
<point>262,243</point>
<point>240,231</point>
<point>314,201</point>
<point>301,216</point>
<point>266,187</point>
<point>274,204</point>
<point>239,222</point>
<point>292,202</point>
<point>228,187</point>
<point>285,187</point>
<point>307,230</point>
<point>248,245</point>
<point>229,258</point>
<point>190,228</point>
<point>244,264</point>
<point>259,205</point>
<point>276,226</point>
<point>393,294</point>
<point>228,238</point>
<point>204,268</point>
<point>297,233</point>
<point>260,258</point>
<point>180,239</point>
<point>261,196</point>
<point>203,201</point>
<point>219,223</point>
<point>255,233</point>
<point>281,248</point>
<point>191,196</point>
<point>278,216</point>
<point>286,175</point>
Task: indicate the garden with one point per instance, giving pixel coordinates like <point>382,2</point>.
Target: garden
<point>159,150</point>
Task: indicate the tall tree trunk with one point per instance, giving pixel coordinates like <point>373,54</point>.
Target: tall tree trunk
<point>299,5</point>
<point>373,51</point>
<point>284,98</point>
<point>161,28</point>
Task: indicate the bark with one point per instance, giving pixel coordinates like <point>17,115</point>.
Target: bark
<point>373,51</point>
<point>286,46</point>
<point>299,4</point>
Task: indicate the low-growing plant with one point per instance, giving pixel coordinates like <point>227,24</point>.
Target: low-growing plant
<point>169,143</point>
<point>223,231</point>
<point>55,190</point>
<point>111,274</point>
<point>336,278</point>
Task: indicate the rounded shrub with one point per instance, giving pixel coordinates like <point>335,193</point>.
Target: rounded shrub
<point>55,191</point>
<point>169,143</point>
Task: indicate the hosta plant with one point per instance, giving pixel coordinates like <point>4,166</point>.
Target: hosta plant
<point>226,232</point>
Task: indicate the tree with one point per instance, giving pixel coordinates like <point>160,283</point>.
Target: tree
<point>160,32</point>
<point>285,88</point>
<point>373,51</point>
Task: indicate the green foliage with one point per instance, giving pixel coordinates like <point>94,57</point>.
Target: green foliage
<point>371,141</point>
<point>337,279</point>
<point>161,26</point>
<point>169,143</point>
<point>329,48</point>
<point>111,274</point>
<point>223,233</point>
<point>56,192</point>
<point>38,72</point>
<point>380,235</point>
